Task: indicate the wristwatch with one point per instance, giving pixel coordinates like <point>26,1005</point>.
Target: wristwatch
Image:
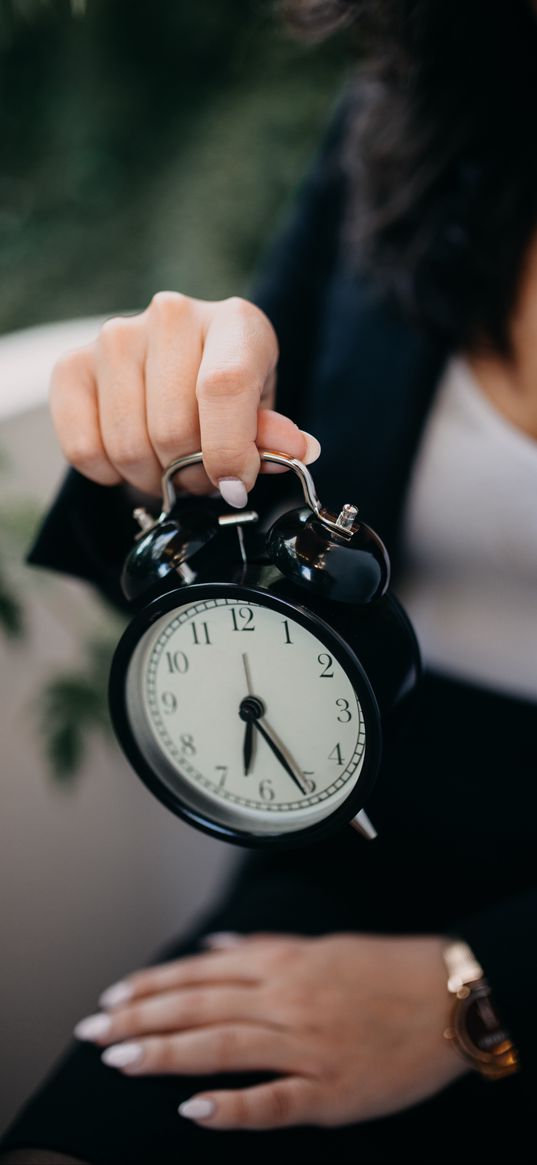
<point>475,1029</point>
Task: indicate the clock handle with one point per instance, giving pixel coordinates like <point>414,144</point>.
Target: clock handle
<point>363,825</point>
<point>344,523</point>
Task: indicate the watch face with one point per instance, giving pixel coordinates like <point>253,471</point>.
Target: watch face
<point>245,713</point>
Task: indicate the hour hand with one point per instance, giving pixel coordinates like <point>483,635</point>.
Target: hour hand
<point>248,746</point>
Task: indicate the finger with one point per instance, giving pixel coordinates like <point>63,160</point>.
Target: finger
<point>239,354</point>
<point>291,1101</point>
<point>211,967</point>
<point>120,358</point>
<point>175,348</point>
<point>75,415</point>
<point>172,1011</point>
<point>225,939</point>
<point>276,432</point>
<point>226,1048</point>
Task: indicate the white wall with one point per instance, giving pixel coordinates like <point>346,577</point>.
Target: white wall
<point>93,876</point>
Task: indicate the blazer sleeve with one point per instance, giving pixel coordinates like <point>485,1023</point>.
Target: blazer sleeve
<point>89,528</point>
<point>504,940</point>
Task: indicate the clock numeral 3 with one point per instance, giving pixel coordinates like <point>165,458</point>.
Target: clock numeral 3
<point>345,714</point>
<point>326,662</point>
<point>247,615</point>
<point>266,792</point>
<point>336,754</point>
<point>177,662</point>
<point>169,702</point>
<point>201,635</point>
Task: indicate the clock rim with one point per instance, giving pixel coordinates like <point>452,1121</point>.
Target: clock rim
<point>347,658</point>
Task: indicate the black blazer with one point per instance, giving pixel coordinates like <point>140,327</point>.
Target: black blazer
<point>353,372</point>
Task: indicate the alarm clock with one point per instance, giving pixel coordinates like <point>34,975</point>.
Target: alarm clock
<point>252,687</point>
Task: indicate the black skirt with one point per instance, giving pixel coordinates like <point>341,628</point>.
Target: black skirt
<point>457,789</point>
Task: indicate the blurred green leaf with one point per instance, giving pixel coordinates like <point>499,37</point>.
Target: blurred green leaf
<point>71,707</point>
<point>11,612</point>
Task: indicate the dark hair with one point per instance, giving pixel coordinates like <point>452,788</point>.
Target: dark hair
<point>441,151</point>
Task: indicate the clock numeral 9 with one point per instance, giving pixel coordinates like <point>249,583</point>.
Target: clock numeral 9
<point>266,792</point>
<point>326,662</point>
<point>187,743</point>
<point>345,714</point>
<point>169,702</point>
<point>244,613</point>
<point>177,662</point>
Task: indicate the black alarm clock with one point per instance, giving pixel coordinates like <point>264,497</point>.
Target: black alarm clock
<point>252,687</point>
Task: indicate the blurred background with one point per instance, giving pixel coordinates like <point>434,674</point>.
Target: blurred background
<point>142,146</point>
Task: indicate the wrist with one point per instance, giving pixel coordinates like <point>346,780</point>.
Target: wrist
<point>475,1029</point>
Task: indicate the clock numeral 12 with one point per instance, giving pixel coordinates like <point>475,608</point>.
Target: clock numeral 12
<point>247,615</point>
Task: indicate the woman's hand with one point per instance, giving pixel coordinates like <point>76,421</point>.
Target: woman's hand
<point>183,375</point>
<point>352,1025</point>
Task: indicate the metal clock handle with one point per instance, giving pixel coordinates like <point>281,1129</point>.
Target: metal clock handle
<point>343,523</point>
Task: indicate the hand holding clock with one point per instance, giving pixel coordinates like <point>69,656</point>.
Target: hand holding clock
<point>351,1024</point>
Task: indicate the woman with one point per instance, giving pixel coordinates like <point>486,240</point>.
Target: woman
<point>395,319</point>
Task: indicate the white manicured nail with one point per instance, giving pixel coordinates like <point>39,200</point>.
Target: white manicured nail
<point>313,448</point>
<point>116,994</point>
<point>222,938</point>
<point>93,1027</point>
<point>196,1108</point>
<point>119,1055</point>
<point>233,492</point>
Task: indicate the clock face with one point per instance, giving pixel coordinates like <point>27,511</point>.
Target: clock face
<point>245,713</point>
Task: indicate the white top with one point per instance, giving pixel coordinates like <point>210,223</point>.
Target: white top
<point>469,577</point>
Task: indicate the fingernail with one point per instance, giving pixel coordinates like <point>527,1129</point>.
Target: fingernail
<point>92,1027</point>
<point>196,1108</point>
<point>222,938</point>
<point>116,994</point>
<point>119,1055</point>
<point>313,448</point>
<point>233,491</point>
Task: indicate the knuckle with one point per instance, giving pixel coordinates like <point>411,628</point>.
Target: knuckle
<point>116,333</point>
<point>279,1106</point>
<point>167,303</point>
<point>125,450</point>
<point>164,438</point>
<point>227,1046</point>
<point>227,380</point>
<point>81,451</point>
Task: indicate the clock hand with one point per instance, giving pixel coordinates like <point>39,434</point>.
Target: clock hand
<point>247,674</point>
<point>248,745</point>
<point>251,710</point>
<point>278,754</point>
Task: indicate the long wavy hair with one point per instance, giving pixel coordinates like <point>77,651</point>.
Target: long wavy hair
<point>441,150</point>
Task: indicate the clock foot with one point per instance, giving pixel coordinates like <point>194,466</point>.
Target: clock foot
<point>363,825</point>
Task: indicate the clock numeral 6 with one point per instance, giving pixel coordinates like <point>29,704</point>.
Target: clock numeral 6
<point>244,613</point>
<point>326,662</point>
<point>266,792</point>
<point>345,714</point>
<point>177,662</point>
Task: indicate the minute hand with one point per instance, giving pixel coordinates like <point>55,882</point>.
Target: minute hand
<point>278,754</point>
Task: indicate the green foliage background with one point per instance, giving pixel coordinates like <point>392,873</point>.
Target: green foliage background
<point>143,145</point>
<point>147,145</point>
